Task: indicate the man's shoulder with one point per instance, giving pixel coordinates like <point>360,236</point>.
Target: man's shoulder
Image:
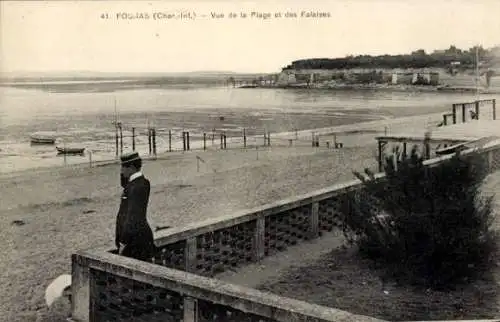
<point>140,182</point>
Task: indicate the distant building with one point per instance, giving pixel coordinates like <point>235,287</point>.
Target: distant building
<point>402,78</point>
<point>285,78</point>
<point>425,78</point>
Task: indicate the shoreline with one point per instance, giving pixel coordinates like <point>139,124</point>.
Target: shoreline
<point>381,87</point>
<point>366,127</point>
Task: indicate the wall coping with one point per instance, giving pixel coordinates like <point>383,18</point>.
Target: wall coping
<point>239,297</point>
<point>176,234</point>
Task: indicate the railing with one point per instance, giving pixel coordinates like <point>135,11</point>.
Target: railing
<point>469,111</point>
<point>180,286</point>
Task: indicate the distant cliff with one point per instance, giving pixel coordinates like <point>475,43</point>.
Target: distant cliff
<point>453,59</point>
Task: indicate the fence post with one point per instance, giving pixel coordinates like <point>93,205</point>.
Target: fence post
<point>221,142</point>
<point>190,304</point>
<point>149,141</point>
<point>204,141</point>
<point>133,139</point>
<point>80,288</point>
<point>183,141</point>
<point>444,119</point>
<point>380,165</point>
<point>463,113</point>
<point>169,140</point>
<point>259,238</point>
<point>314,229</point>
<point>225,142</point>
<point>244,139</point>
<point>190,309</point>
<point>477,110</point>
<point>154,142</point>
<point>494,109</point>
<point>187,141</point>
<point>265,138</point>
<point>268,138</point>
<point>116,139</point>
<point>454,110</point>
<point>121,139</point>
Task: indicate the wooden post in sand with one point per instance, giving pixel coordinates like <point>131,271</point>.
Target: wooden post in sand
<point>204,141</point>
<point>268,138</point>
<point>221,141</point>
<point>187,141</point>
<point>133,139</point>
<point>463,113</point>
<point>244,139</point>
<point>169,140</point>
<point>477,110</point>
<point>225,144</point>
<point>116,139</point>
<point>154,141</point>
<point>380,165</point>
<point>494,109</point>
<point>265,138</point>
<point>149,140</point>
<point>121,137</point>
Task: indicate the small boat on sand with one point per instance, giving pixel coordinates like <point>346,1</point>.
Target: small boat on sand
<point>66,150</point>
<point>47,140</point>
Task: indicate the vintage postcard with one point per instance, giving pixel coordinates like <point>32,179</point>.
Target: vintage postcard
<point>328,160</point>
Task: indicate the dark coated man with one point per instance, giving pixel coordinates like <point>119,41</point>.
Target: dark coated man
<point>134,237</point>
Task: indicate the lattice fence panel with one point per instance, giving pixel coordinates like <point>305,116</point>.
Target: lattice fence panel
<point>495,160</point>
<point>171,255</point>
<point>225,249</point>
<point>287,228</point>
<point>208,312</point>
<point>115,298</point>
<point>331,213</point>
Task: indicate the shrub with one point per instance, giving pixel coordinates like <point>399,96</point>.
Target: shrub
<point>427,225</point>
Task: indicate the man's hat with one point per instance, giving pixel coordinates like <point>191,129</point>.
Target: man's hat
<point>129,157</point>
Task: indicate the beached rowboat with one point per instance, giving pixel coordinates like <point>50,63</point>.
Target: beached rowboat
<point>42,140</point>
<point>66,150</point>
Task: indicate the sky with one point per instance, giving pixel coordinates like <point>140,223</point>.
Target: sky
<point>66,36</point>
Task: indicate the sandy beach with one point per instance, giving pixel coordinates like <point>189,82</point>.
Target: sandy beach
<point>50,213</point>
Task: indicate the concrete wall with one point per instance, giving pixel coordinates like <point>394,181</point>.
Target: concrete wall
<point>179,285</point>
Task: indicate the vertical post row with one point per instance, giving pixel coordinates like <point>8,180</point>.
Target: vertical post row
<point>454,114</point>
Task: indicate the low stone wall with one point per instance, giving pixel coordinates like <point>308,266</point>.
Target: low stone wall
<point>179,286</point>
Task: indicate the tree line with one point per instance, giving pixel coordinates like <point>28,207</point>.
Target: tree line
<point>417,59</point>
